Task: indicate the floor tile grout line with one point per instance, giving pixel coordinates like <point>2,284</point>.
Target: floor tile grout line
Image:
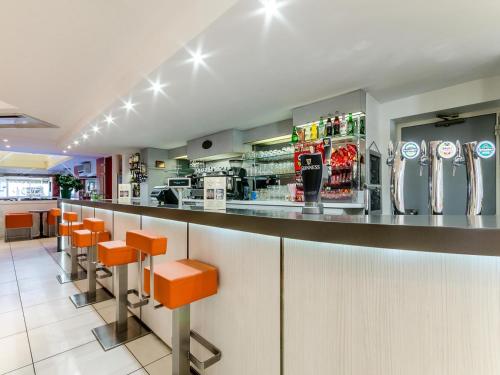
<point>22,309</point>
<point>64,351</point>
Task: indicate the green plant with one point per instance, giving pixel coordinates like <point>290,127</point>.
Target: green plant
<point>67,182</point>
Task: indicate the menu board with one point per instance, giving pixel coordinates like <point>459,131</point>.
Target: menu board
<point>214,197</point>
<point>124,193</point>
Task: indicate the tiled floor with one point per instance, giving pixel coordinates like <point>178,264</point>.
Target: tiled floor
<point>41,332</point>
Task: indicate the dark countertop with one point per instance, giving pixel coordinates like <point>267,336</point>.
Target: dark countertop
<point>479,235</point>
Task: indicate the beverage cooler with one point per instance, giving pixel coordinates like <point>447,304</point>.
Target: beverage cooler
<point>341,141</point>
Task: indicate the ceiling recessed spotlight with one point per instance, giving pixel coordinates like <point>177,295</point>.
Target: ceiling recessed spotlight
<point>197,58</point>
<point>76,143</point>
<point>157,87</point>
<point>128,105</point>
<point>5,140</point>
<point>270,7</point>
<point>109,119</point>
<point>8,146</point>
<point>64,151</point>
<point>95,128</point>
<point>69,147</point>
<point>85,136</point>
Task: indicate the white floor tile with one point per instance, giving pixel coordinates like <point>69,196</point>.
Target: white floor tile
<point>9,302</point>
<point>9,287</point>
<point>7,276</point>
<point>51,312</point>
<point>160,367</point>
<point>89,359</point>
<point>102,305</point>
<point>109,313</point>
<point>57,337</point>
<point>14,352</point>
<point>27,370</point>
<point>11,322</point>
<point>148,349</point>
<point>44,295</point>
<point>82,285</point>
<point>138,372</point>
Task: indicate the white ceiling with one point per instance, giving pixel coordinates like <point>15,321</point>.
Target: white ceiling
<point>73,63</point>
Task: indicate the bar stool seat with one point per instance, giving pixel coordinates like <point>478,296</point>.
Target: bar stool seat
<point>89,237</point>
<point>70,216</point>
<point>67,229</point>
<point>18,220</point>
<point>125,328</point>
<point>182,282</point>
<point>147,242</point>
<point>177,284</point>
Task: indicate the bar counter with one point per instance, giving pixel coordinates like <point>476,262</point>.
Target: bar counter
<point>474,235</point>
<point>328,294</point>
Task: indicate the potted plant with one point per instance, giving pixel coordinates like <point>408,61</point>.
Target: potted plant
<point>67,183</point>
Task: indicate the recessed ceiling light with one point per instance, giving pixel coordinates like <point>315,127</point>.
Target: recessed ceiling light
<point>64,151</point>
<point>197,58</point>
<point>5,140</point>
<point>8,146</point>
<point>85,136</point>
<point>128,105</point>
<point>76,142</point>
<point>157,87</point>
<point>95,128</point>
<point>270,7</point>
<point>69,147</point>
<point>110,119</point>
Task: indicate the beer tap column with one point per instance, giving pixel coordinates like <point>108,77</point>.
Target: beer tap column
<point>435,179</point>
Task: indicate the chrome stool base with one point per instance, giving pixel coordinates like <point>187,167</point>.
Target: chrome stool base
<point>70,277</point>
<point>113,334</point>
<point>86,298</point>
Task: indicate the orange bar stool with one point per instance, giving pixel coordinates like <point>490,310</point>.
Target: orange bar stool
<point>16,221</point>
<point>177,285</point>
<point>150,245</point>
<point>67,230</point>
<point>89,237</point>
<point>117,254</point>
<point>53,221</point>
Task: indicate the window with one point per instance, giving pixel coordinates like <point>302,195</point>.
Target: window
<point>25,187</point>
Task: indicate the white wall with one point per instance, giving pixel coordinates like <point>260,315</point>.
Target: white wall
<point>381,130</point>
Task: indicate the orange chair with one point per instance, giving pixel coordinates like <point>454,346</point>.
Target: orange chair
<point>151,245</point>
<point>177,285</point>
<point>117,254</point>
<point>16,221</point>
<point>89,238</point>
<point>53,221</point>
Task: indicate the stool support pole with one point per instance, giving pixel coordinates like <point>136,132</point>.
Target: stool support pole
<point>180,340</point>
<point>91,270</point>
<point>121,297</point>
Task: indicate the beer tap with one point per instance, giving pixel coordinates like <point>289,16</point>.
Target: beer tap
<point>397,164</point>
<point>423,161</point>
<point>390,153</point>
<point>459,159</point>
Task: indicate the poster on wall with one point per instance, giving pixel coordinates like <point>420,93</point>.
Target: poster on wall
<point>214,197</point>
<point>124,193</point>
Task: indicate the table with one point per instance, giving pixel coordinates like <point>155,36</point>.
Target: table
<point>40,213</point>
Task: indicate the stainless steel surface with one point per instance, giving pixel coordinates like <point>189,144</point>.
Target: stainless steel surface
<point>86,298</point>
<point>64,278</point>
<point>474,179</point>
<point>216,353</point>
<point>459,234</point>
<point>113,335</point>
<point>181,340</point>
<point>436,197</point>
<point>312,208</point>
<point>398,165</point>
<point>125,328</point>
<point>459,159</point>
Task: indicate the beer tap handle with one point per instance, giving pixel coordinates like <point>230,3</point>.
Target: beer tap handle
<point>424,159</point>
<point>459,158</point>
<point>390,154</point>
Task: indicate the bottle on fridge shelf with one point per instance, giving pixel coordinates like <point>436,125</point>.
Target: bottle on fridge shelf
<point>307,133</point>
<point>329,127</point>
<point>362,125</point>
<point>321,128</point>
<point>295,136</point>
<point>350,125</point>
<point>343,126</point>
<point>336,126</point>
<point>314,131</point>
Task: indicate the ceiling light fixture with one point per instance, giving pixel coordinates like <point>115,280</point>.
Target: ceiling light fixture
<point>95,128</point>
<point>64,151</point>
<point>110,119</point>
<point>8,146</point>
<point>197,58</point>
<point>157,87</point>
<point>270,8</point>
<point>128,105</point>
<point>5,140</point>
<point>69,147</point>
<point>85,136</point>
<point>76,143</point>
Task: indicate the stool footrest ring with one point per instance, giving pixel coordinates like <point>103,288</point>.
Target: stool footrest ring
<point>142,302</point>
<point>105,273</point>
<point>202,365</point>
